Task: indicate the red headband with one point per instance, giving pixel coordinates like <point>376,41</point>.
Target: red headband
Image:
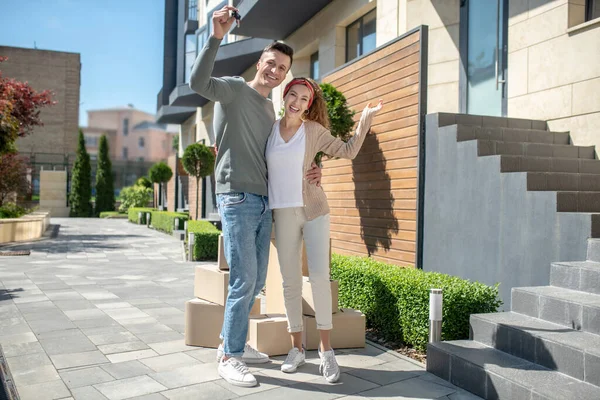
<point>301,81</point>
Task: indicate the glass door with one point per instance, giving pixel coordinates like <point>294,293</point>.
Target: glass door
<point>483,53</point>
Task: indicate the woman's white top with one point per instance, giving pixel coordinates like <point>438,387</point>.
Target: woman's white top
<point>284,168</point>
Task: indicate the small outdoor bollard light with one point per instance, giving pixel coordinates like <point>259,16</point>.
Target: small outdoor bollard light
<point>148,218</point>
<point>139,217</point>
<point>191,240</point>
<point>176,224</point>
<point>435,315</point>
<point>185,226</point>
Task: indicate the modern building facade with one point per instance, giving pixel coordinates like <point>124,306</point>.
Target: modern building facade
<point>511,58</point>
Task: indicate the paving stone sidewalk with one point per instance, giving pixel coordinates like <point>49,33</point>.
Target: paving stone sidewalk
<point>98,313</point>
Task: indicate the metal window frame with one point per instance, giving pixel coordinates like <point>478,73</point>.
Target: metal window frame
<point>361,34</point>
<point>589,9</point>
<point>314,57</point>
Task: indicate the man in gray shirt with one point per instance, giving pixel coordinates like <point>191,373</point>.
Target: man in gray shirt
<point>243,117</point>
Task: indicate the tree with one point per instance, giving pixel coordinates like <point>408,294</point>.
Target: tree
<point>13,176</point>
<point>198,161</point>
<point>20,108</point>
<point>160,173</point>
<point>175,143</point>
<point>81,182</point>
<point>340,115</point>
<point>105,191</point>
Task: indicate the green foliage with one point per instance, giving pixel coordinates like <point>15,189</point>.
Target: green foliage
<point>175,143</point>
<point>206,245</point>
<point>105,192</point>
<point>81,182</point>
<point>160,172</point>
<point>11,210</point>
<point>164,220</point>
<point>340,115</point>
<point>395,300</point>
<point>113,214</point>
<point>198,161</point>
<point>134,196</point>
<point>144,182</point>
<point>132,214</point>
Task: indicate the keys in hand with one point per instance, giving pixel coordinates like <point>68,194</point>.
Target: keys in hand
<point>222,20</point>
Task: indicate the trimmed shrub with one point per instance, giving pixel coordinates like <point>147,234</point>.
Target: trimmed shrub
<point>105,192</point>
<point>164,220</point>
<point>395,300</point>
<point>206,245</point>
<point>134,196</point>
<point>113,214</point>
<point>11,210</point>
<point>132,214</point>
<point>80,198</point>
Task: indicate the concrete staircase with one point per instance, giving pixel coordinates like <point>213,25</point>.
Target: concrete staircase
<point>546,347</point>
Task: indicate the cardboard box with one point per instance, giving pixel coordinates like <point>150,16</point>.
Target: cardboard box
<point>204,320</point>
<point>268,334</point>
<point>221,260</point>
<point>308,303</point>
<point>203,323</point>
<point>211,284</point>
<point>348,330</point>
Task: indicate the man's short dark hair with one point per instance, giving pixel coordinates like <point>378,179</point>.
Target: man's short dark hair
<point>282,48</point>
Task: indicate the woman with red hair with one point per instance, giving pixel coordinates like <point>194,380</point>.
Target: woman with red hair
<point>301,211</point>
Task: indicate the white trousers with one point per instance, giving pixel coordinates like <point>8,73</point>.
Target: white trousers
<point>291,226</point>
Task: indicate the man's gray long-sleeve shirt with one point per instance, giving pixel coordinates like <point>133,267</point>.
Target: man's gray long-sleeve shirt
<point>242,121</point>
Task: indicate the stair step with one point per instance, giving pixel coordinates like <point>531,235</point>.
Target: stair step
<point>493,147</point>
<point>445,119</point>
<point>510,163</point>
<point>593,252</point>
<point>493,374</point>
<point>550,345</point>
<point>583,276</point>
<point>472,132</point>
<point>588,202</point>
<point>562,181</point>
<point>567,307</point>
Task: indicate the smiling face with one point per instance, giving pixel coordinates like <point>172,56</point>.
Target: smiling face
<point>296,101</point>
<point>272,68</point>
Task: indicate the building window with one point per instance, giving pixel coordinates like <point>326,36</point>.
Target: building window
<point>126,127</point>
<point>592,9</point>
<point>125,153</point>
<point>200,39</point>
<point>141,142</point>
<point>91,141</point>
<point>193,10</point>
<point>190,55</point>
<point>360,36</point>
<point>140,159</point>
<point>314,65</point>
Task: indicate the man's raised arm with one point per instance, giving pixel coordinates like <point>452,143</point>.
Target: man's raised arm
<point>201,82</point>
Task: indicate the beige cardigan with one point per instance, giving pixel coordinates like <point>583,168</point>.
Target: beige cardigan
<point>318,139</point>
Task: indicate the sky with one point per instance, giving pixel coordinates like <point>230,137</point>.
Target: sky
<point>120,42</point>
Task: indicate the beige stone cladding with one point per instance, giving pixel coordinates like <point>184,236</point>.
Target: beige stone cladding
<point>59,72</point>
<point>554,67</point>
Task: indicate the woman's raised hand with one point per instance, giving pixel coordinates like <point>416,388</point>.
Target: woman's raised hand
<point>377,108</point>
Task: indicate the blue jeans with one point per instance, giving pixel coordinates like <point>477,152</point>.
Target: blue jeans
<point>247,221</point>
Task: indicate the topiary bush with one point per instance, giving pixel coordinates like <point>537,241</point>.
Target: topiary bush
<point>395,300</point>
<point>80,198</point>
<point>206,245</point>
<point>132,214</point>
<point>198,161</point>
<point>105,191</point>
<point>134,196</point>
<point>164,220</point>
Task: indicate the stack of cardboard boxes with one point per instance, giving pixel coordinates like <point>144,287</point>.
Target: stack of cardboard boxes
<point>267,332</point>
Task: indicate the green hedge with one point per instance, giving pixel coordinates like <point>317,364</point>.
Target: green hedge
<point>132,214</point>
<point>113,214</point>
<point>395,300</point>
<point>206,245</point>
<point>164,220</point>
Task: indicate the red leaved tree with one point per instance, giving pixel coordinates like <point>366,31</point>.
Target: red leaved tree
<point>20,108</point>
<point>13,176</point>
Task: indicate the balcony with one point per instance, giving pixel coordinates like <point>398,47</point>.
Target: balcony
<point>174,115</point>
<point>275,19</point>
<point>232,60</point>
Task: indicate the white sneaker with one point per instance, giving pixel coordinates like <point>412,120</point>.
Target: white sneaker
<point>250,356</point>
<point>235,371</point>
<point>294,359</point>
<point>329,367</point>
